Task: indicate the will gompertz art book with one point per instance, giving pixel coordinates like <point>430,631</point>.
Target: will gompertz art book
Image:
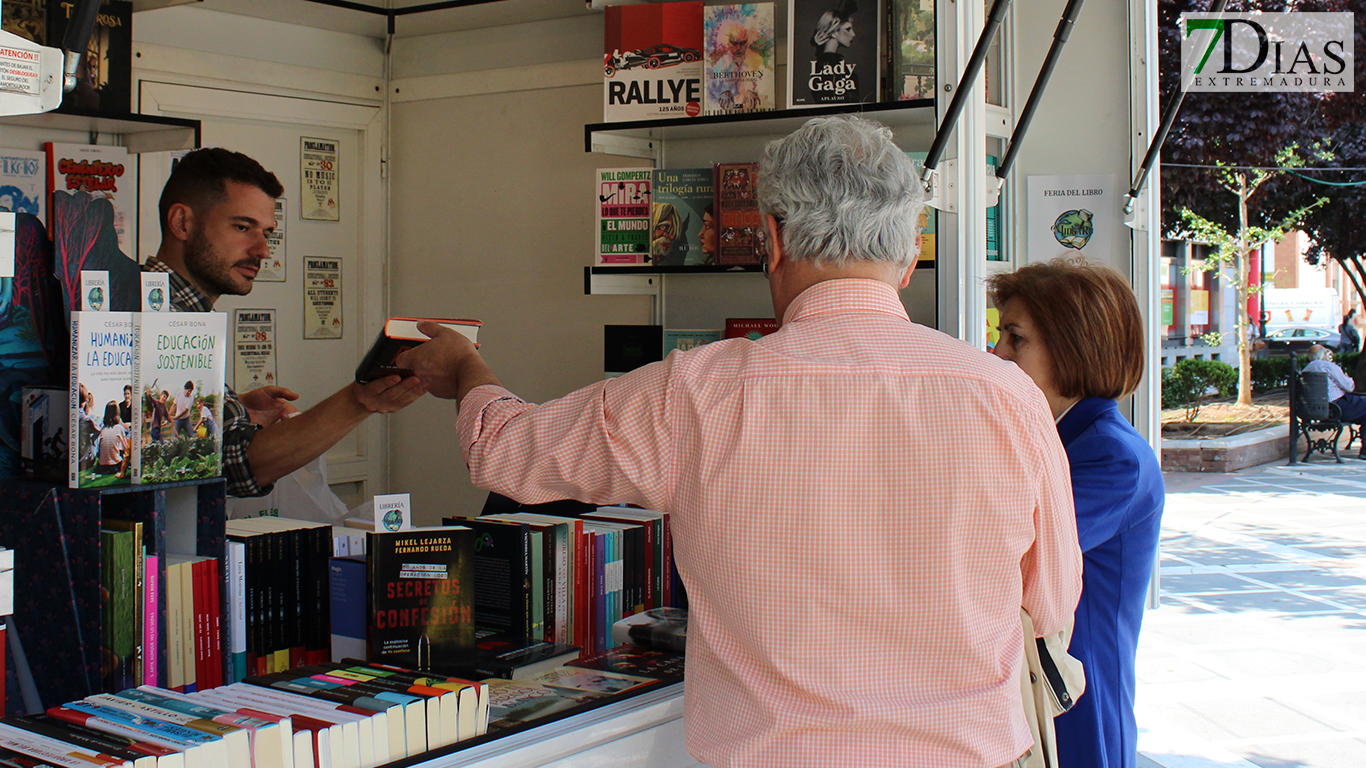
<point>652,61</point>
<point>23,182</point>
<point>101,173</point>
<point>99,399</point>
<point>682,217</point>
<point>422,596</point>
<point>832,52</point>
<point>623,216</point>
<point>178,388</point>
<point>739,49</point>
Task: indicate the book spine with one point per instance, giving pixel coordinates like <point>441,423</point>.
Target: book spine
<point>187,625</point>
<point>138,602</point>
<point>73,394</point>
<point>215,590</point>
<point>524,585</point>
<point>139,397</point>
<point>175,648</point>
<point>237,617</point>
<point>151,621</point>
<point>298,551</point>
<point>203,680</point>
<point>321,647</point>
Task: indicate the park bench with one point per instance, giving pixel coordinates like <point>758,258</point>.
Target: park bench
<point>1314,417</point>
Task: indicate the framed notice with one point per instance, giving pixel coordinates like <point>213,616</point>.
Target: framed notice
<point>1071,215</point>
<point>318,174</point>
<point>253,333</point>
<point>273,266</point>
<point>322,298</point>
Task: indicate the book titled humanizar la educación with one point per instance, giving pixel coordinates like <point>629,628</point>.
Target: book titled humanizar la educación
<point>178,390</point>
<point>101,369</point>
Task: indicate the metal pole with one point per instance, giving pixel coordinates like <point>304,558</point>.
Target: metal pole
<point>1060,35</point>
<point>960,98</point>
<point>1155,146</point>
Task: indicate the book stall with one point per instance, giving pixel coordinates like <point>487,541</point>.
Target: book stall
<point>374,607</point>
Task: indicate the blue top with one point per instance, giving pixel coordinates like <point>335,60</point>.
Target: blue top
<point>1117,485</point>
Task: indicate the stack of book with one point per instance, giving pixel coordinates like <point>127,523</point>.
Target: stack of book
<point>350,715</point>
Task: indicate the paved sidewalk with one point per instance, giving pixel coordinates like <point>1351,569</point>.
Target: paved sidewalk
<point>1257,656</point>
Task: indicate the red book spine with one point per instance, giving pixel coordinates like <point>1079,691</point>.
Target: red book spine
<point>201,628</point>
<point>668,563</point>
<point>214,587</point>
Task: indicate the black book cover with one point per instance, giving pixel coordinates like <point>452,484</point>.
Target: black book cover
<point>422,601</point>
<point>399,335</point>
<point>833,51</point>
<point>502,573</point>
<point>106,73</point>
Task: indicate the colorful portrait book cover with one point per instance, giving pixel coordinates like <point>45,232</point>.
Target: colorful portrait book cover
<point>623,216</point>
<point>422,596</point>
<point>740,49</point>
<point>652,61</point>
<point>832,52</point>
<point>682,218</point>
<point>178,385</point>
<point>100,399</point>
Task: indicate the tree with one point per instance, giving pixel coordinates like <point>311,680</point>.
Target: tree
<point>1235,245</point>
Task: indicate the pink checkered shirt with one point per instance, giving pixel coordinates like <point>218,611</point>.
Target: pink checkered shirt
<point>860,507</point>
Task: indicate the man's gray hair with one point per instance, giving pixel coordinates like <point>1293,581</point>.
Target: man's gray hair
<point>842,192</point>
<point>1319,352</point>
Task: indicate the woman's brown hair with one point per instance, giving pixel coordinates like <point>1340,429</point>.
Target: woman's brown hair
<point>1089,320</point>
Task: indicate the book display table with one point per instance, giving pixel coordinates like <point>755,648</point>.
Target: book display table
<point>641,730</point>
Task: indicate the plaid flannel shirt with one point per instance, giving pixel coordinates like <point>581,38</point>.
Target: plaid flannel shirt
<point>238,430</point>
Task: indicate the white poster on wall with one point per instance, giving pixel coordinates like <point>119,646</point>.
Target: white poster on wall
<point>1073,215</point>
<point>318,179</point>
<point>253,349</point>
<point>322,298</point>
<point>273,266</point>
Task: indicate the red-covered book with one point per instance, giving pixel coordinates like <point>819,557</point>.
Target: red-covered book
<point>750,327</point>
<point>399,335</point>
<point>739,233</point>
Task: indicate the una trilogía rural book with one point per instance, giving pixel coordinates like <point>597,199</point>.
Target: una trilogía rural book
<point>422,601</point>
<point>682,217</point>
<point>178,389</point>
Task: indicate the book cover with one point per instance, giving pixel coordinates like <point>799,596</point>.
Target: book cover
<point>42,433</point>
<point>512,657</point>
<point>23,184</point>
<point>739,47</point>
<point>911,44</point>
<point>349,593</point>
<point>106,72</point>
<point>994,251</point>
<point>635,660</point>
<point>512,703</point>
<point>596,681</point>
<point>132,601</point>
<point>652,61</point>
<point>422,601</point>
<point>178,378</point>
<point>832,52</point>
<point>740,235</point>
<point>25,18</point>
<point>502,572</point>
<point>623,216</point>
<point>682,217</point>
<point>928,223</point>
<point>96,172</point>
<point>683,339</point>
<point>399,335</point>
<point>101,381</point>
<point>627,347</point>
<point>752,328</point>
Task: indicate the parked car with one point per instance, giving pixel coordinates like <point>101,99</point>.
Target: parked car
<point>1299,340</point>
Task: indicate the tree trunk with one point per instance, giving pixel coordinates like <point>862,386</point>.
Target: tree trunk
<point>1347,270</point>
<point>1244,353</point>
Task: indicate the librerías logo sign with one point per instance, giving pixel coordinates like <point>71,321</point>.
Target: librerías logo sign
<point>1266,52</point>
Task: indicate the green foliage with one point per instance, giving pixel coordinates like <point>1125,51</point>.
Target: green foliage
<point>1190,382</point>
<point>1269,373</point>
<point>179,458</point>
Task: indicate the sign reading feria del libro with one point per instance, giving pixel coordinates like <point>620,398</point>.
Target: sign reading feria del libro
<point>318,180</point>
<point>1260,52</point>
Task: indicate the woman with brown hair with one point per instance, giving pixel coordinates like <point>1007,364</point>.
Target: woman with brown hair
<point>1075,329</point>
